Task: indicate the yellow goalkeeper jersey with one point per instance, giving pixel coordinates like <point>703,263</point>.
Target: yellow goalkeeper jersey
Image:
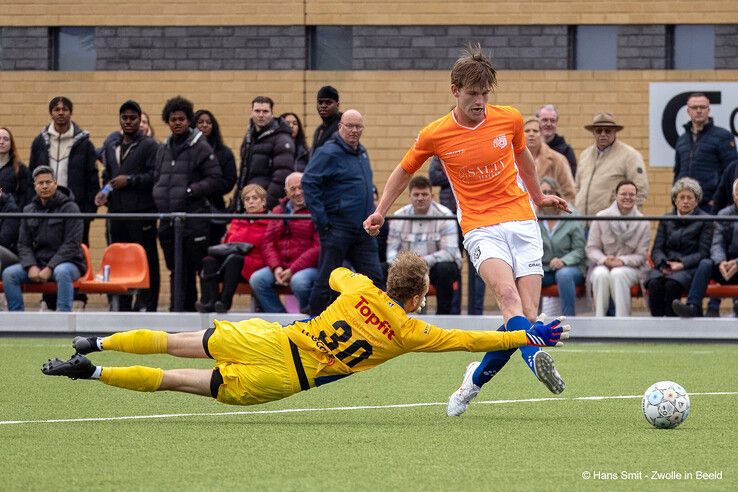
<point>364,327</point>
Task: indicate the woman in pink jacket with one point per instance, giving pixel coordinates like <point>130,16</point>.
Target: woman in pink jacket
<point>235,268</point>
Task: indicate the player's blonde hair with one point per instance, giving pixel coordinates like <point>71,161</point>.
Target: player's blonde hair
<point>473,69</point>
<point>407,276</point>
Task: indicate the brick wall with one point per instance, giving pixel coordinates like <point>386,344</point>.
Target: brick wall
<point>642,47</point>
<point>387,47</point>
<point>24,48</point>
<point>437,47</point>
<point>726,46</point>
<point>368,12</point>
<point>201,48</point>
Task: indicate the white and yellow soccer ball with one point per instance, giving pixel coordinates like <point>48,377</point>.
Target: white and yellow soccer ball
<point>665,404</point>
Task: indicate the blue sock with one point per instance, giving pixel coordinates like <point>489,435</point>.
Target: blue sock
<point>528,352</point>
<point>493,362</point>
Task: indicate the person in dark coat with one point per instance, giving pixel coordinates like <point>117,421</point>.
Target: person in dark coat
<point>267,154</point>
<point>48,248</point>
<point>678,249</point>
<point>128,158</point>
<point>338,191</point>
<point>15,178</point>
<point>205,121</point>
<point>724,193</point>
<point>328,110</point>
<point>186,173</point>
<point>302,152</point>
<point>704,150</point>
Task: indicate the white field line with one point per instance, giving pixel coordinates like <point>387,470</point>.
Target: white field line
<point>335,409</point>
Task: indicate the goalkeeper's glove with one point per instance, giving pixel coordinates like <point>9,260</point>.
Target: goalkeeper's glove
<point>547,335</point>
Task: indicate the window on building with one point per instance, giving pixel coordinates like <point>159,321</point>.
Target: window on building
<point>694,47</point>
<point>75,48</point>
<point>597,47</point>
<point>331,48</point>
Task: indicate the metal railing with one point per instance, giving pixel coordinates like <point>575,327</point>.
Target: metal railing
<point>179,219</point>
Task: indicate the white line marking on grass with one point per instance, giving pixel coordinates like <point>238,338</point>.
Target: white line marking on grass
<point>334,409</point>
<point>624,351</point>
<point>36,345</point>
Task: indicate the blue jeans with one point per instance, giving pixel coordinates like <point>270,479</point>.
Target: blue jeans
<point>262,287</point>
<point>337,246</point>
<point>701,278</point>
<point>64,275</point>
<point>567,279</point>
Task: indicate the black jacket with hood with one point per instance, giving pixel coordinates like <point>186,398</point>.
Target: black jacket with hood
<point>267,158</point>
<point>185,165</point>
<point>138,164</point>
<point>49,242</point>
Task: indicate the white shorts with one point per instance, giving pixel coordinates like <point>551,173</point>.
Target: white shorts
<point>516,243</point>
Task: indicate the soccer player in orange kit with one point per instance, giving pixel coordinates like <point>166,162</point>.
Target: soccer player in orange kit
<point>493,178</point>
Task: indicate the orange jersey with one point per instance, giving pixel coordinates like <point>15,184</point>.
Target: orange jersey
<point>480,165</point>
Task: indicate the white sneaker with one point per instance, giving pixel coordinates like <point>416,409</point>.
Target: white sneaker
<point>546,372</point>
<point>461,398</point>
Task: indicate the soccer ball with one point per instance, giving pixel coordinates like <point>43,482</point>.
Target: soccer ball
<point>665,405</point>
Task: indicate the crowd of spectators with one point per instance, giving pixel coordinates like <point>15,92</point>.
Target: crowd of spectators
<point>192,170</point>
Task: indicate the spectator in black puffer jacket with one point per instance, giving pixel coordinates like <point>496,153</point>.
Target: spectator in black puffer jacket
<point>724,194</point>
<point>205,121</point>
<point>704,150</point>
<point>49,249</point>
<point>267,154</point>
<point>128,158</point>
<point>679,247</point>
<point>302,152</point>
<point>186,172</point>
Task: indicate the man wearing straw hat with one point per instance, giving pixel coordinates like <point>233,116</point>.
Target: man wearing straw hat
<point>605,164</point>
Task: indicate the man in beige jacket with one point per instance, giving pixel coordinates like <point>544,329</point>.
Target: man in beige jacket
<point>606,163</point>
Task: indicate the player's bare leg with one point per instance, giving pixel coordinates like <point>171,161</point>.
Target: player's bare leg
<point>139,378</point>
<point>518,301</point>
<point>498,276</point>
<point>136,378</point>
<point>529,290</point>
<point>186,344</point>
<point>194,381</point>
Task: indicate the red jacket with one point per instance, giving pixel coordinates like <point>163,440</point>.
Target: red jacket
<point>249,231</point>
<point>292,244</point>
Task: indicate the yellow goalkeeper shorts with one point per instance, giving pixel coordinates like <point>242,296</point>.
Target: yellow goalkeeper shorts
<point>257,362</point>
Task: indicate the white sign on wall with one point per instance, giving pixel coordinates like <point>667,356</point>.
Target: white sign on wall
<point>667,113</point>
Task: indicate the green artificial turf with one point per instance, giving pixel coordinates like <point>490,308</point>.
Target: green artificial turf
<point>541,445</point>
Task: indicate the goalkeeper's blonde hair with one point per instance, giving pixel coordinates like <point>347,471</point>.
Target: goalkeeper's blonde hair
<point>407,276</point>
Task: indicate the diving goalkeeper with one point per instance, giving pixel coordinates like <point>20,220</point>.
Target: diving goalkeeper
<point>257,361</point>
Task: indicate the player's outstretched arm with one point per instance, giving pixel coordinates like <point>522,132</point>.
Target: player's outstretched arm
<point>548,335</point>
<point>396,183</point>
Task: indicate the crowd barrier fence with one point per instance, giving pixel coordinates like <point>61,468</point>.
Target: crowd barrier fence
<point>179,220</point>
